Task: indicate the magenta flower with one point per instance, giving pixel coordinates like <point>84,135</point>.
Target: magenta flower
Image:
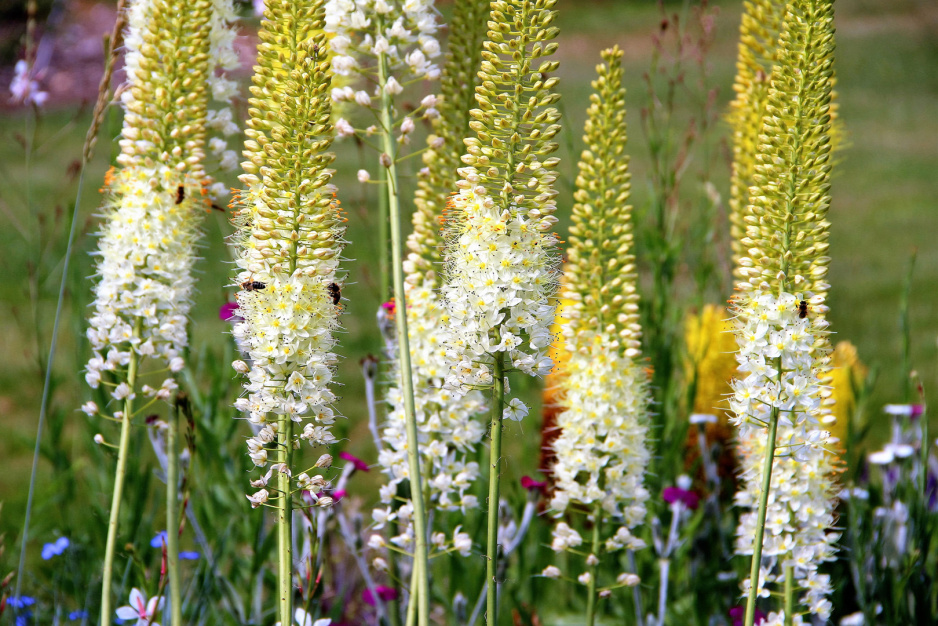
<point>533,485</point>
<point>676,494</point>
<point>738,614</point>
<point>385,593</point>
<point>228,311</point>
<point>354,460</point>
<point>338,494</point>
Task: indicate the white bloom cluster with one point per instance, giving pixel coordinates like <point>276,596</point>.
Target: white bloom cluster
<point>601,451</point>
<point>224,60</point>
<point>500,274</point>
<point>146,254</point>
<point>781,374</point>
<point>448,434</point>
<point>288,333</point>
<point>403,30</point>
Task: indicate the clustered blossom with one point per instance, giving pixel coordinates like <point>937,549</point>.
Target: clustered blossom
<point>146,252</point>
<point>779,373</point>
<point>402,30</point>
<point>601,451</point>
<point>224,61</point>
<point>500,276</point>
<point>448,435</point>
<point>288,333</point>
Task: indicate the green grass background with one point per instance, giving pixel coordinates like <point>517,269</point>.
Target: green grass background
<point>884,197</point>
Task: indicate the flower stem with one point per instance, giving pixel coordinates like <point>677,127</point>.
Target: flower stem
<point>495,453</point>
<point>594,569</point>
<point>285,519</point>
<point>760,522</point>
<point>172,517</point>
<point>789,595</point>
<point>421,565</point>
<point>123,450</point>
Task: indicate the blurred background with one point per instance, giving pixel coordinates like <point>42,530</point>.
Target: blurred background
<point>884,209</point>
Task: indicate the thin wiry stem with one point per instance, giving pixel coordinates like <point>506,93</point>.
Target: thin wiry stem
<point>120,471</point>
<point>421,562</point>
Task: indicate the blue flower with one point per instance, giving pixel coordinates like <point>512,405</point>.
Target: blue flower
<point>159,540</point>
<point>56,548</point>
<point>189,556</point>
<point>24,618</point>
<point>74,616</point>
<point>20,602</point>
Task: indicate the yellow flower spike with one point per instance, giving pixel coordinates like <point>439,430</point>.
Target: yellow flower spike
<point>710,359</point>
<point>847,375</point>
<point>457,96</point>
<point>290,238</point>
<point>601,452</point>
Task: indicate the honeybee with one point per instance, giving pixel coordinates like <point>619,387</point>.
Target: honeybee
<point>803,309</point>
<point>335,292</point>
<point>253,285</point>
<point>180,194</point>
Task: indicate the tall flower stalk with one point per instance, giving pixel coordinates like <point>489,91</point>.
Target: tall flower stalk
<point>391,43</point>
<point>290,239</point>
<point>500,265</point>
<point>151,215</point>
<point>780,399</point>
<point>448,436</point>
<point>601,453</point>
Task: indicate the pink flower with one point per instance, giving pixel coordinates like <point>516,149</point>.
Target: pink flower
<point>676,494</point>
<point>354,460</point>
<point>228,311</point>
<point>338,494</point>
<point>738,615</point>
<point>531,485</point>
<point>385,593</point>
<point>389,306</point>
<point>140,609</point>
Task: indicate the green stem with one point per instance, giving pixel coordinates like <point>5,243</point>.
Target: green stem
<point>285,520</point>
<point>412,604</point>
<point>123,450</point>
<point>384,257</point>
<point>421,565</point>
<point>789,595</point>
<point>591,599</point>
<point>760,523</point>
<point>172,518</point>
<point>495,453</point>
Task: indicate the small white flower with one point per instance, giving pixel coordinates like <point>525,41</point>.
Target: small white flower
<point>407,126</point>
<point>343,128</point>
<point>362,98</point>
<point>551,572</point>
<point>629,580</point>
<point>393,87</point>
<point>123,391</point>
<point>99,439</point>
<point>585,578</point>
<point>89,408</point>
<point>516,410</point>
<point>258,498</point>
<point>140,609</point>
<point>363,176</point>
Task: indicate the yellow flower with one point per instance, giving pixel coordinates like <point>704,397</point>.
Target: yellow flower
<point>710,362</point>
<point>846,378</point>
